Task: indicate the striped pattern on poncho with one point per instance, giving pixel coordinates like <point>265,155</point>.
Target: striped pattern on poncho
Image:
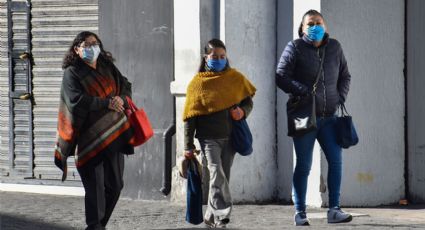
<point>85,124</point>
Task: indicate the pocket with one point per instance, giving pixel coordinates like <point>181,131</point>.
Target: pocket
<point>298,102</point>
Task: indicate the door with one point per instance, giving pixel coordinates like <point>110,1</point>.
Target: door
<point>139,35</point>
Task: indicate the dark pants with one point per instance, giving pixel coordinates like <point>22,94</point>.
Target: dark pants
<point>103,183</point>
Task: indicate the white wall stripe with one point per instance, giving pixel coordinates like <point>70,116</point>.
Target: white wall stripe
<point>43,189</point>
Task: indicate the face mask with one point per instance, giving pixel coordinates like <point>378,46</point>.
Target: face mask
<point>315,33</point>
<point>91,53</point>
<point>217,65</point>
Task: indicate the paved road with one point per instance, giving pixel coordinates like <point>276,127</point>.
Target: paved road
<point>36,212</point>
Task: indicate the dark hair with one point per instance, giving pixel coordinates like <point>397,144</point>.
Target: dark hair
<point>308,13</point>
<point>213,43</point>
<point>71,58</point>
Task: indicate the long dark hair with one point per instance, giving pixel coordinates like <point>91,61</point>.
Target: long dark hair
<point>308,13</point>
<point>212,44</point>
<point>71,58</point>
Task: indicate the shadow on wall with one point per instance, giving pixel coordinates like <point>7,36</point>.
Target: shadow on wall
<point>18,222</point>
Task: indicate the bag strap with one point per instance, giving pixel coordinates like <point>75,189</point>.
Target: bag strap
<point>131,104</point>
<point>322,58</point>
<point>344,111</point>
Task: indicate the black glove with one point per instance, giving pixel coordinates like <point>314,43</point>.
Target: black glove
<point>299,89</point>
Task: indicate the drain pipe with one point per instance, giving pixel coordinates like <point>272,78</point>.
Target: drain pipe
<point>166,175</point>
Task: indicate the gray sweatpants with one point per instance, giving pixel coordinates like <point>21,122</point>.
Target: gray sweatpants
<point>219,155</point>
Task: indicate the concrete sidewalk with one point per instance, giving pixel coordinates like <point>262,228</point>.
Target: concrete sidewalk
<point>36,212</point>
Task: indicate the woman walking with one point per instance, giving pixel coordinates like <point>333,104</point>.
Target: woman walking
<point>91,124</point>
<point>216,95</point>
<point>299,73</point>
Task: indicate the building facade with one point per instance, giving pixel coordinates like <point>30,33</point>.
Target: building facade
<point>158,44</point>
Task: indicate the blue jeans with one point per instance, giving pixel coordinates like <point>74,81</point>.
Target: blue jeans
<point>326,136</point>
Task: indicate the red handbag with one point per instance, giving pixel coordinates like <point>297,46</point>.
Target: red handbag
<point>139,122</point>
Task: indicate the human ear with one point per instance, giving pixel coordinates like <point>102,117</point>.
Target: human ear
<point>76,50</point>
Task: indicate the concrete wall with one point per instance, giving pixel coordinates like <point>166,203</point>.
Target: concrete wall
<point>372,36</point>
<point>140,36</point>
<point>284,157</point>
<point>186,59</point>
<point>251,41</point>
<point>416,106</point>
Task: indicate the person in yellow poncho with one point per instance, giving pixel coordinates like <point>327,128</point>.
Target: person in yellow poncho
<point>216,95</point>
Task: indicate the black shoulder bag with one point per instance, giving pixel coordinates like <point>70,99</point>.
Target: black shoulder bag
<point>301,111</point>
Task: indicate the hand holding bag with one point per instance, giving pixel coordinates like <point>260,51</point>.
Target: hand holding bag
<point>346,132</point>
<point>139,122</point>
<point>301,110</point>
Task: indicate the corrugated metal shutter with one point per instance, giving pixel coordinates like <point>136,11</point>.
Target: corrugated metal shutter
<point>4,90</point>
<point>22,162</point>
<point>54,26</point>
<point>19,154</point>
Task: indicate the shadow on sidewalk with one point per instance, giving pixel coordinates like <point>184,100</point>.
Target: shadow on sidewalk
<point>15,222</point>
<point>407,207</point>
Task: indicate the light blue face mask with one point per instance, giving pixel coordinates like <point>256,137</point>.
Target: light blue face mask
<point>217,65</point>
<point>91,53</point>
<point>316,33</point>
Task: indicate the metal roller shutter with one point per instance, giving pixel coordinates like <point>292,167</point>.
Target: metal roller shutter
<point>54,26</point>
<point>4,91</point>
<point>16,122</point>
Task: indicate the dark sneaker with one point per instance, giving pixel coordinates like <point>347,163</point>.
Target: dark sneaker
<point>222,223</point>
<point>209,224</point>
<point>336,215</point>
<point>301,219</point>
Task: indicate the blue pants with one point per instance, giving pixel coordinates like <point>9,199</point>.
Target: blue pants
<point>326,136</point>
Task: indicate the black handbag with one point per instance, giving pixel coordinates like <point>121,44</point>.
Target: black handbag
<point>345,130</point>
<point>301,110</point>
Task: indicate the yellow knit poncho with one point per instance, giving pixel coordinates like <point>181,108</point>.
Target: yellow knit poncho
<point>210,92</point>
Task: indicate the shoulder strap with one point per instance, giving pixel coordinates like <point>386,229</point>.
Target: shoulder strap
<point>322,58</point>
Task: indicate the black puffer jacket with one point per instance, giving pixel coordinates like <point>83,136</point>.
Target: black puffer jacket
<point>297,70</point>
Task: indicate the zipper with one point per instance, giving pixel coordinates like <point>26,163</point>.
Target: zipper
<point>324,93</point>
<point>323,83</point>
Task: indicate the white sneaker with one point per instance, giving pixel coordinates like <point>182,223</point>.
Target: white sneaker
<point>301,219</point>
<point>336,215</point>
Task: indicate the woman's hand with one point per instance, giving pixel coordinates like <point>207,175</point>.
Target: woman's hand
<point>188,154</point>
<point>237,113</point>
<point>116,104</point>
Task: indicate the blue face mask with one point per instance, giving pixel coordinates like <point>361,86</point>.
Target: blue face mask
<point>316,33</point>
<point>217,65</point>
<point>91,53</point>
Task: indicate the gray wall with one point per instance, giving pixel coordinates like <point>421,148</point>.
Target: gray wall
<point>372,36</point>
<point>140,36</point>
<point>416,106</point>
<point>284,156</point>
<point>251,42</point>
<point>208,20</point>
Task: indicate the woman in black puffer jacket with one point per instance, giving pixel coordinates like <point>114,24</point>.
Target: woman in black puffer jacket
<point>296,74</point>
